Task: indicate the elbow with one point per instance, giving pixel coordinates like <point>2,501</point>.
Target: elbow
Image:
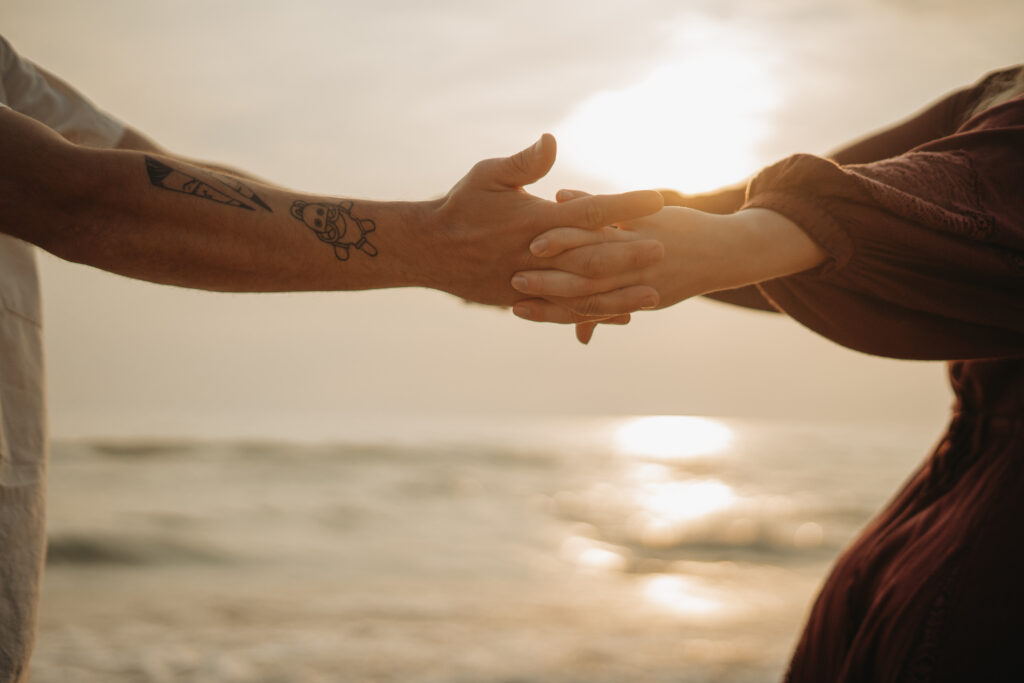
<point>67,208</point>
<point>56,195</point>
<point>44,197</point>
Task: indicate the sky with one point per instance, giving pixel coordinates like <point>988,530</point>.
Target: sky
<point>397,100</point>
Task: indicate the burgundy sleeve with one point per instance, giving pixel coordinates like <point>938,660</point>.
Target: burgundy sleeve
<point>926,249</point>
<point>938,120</point>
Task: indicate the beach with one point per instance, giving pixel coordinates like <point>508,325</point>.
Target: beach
<point>570,549</point>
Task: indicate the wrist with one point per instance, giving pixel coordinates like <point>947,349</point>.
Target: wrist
<point>710,253</point>
<point>768,245</point>
<point>419,223</point>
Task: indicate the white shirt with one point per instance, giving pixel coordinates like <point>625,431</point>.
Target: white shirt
<point>31,91</point>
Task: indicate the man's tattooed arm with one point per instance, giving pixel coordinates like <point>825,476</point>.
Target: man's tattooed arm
<point>233,192</point>
<point>129,212</point>
<point>334,224</point>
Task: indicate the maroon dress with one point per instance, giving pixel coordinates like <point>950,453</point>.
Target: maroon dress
<point>924,226</point>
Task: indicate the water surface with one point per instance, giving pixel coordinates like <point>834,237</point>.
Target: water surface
<point>596,549</point>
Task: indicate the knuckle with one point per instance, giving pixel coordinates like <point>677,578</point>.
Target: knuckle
<point>589,306</point>
<point>593,264</point>
<point>517,162</point>
<point>537,312</point>
<point>593,214</point>
<point>482,167</point>
<point>589,286</point>
<point>541,314</point>
<point>638,258</point>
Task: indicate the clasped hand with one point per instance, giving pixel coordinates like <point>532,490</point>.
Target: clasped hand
<point>482,229</point>
<point>587,276</point>
<point>701,253</point>
<point>566,262</point>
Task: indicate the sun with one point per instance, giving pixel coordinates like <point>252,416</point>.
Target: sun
<point>692,124</point>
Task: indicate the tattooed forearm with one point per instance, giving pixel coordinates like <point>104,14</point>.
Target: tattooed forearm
<point>234,193</point>
<point>335,225</point>
<point>236,185</point>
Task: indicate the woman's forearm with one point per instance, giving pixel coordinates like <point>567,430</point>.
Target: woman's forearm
<point>768,245</point>
<point>708,253</point>
<point>703,253</point>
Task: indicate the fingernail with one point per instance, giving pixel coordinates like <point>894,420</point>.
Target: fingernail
<point>521,310</point>
<point>539,247</point>
<point>648,302</point>
<point>520,282</point>
<point>539,144</point>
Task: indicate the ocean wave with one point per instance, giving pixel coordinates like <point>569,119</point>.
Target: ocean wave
<point>142,447</point>
<point>106,549</point>
<point>707,518</point>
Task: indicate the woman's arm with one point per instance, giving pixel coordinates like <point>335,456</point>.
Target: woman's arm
<point>937,120</point>
<point>921,255</point>
<point>704,253</point>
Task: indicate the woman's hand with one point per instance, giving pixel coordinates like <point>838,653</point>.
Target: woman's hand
<point>703,253</point>
<point>599,259</point>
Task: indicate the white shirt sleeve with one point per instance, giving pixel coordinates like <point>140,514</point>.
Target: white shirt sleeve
<point>29,90</point>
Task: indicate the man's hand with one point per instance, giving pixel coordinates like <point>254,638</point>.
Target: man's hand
<point>479,234</point>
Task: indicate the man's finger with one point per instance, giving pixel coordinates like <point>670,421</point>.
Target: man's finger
<point>590,308</point>
<point>598,211</point>
<point>585,332</point>
<point>522,168</point>
<point>542,311</point>
<point>563,196</point>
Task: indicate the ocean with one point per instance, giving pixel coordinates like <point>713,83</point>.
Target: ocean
<point>513,550</point>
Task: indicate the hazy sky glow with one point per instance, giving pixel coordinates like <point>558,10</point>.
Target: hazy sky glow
<point>397,100</point>
<point>693,123</point>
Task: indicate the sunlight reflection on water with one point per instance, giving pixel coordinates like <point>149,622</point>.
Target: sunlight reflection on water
<point>650,498</point>
<point>667,509</point>
<point>672,436</point>
<point>681,594</point>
